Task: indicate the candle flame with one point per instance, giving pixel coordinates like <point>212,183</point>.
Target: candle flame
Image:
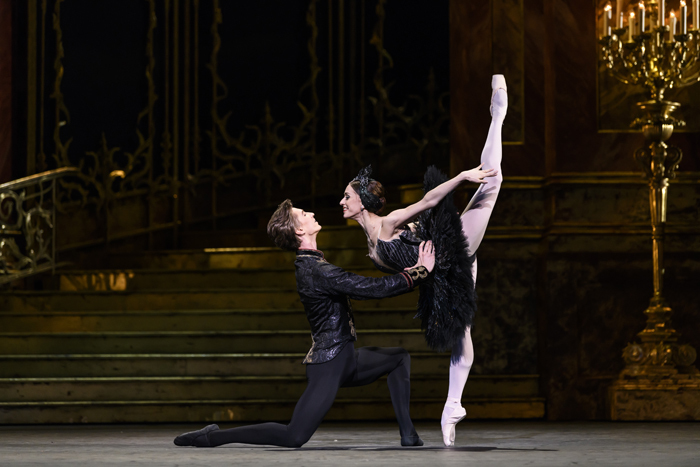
<point>641,5</point>
<point>673,15</point>
<point>608,7</point>
<point>631,14</point>
<point>682,3</point>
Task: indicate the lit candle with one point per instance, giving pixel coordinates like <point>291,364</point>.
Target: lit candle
<point>607,16</point>
<point>684,18</point>
<point>642,15</point>
<point>618,11</point>
<point>630,27</point>
<point>662,12</point>
<point>673,27</point>
<point>621,21</point>
<point>696,14</point>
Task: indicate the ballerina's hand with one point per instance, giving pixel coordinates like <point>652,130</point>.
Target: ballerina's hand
<point>426,256</point>
<point>477,175</point>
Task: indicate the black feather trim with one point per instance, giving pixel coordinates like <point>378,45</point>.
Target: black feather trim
<point>447,303</point>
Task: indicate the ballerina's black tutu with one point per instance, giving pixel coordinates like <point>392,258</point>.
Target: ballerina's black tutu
<point>447,304</point>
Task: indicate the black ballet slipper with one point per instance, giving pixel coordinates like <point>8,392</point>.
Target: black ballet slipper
<point>411,441</point>
<point>196,438</point>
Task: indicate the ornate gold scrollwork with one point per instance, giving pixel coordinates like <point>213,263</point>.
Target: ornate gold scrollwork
<point>140,162</point>
<point>418,273</point>
<point>27,213</point>
<point>94,185</point>
<point>61,154</point>
<point>262,151</point>
<point>265,152</point>
<point>633,354</point>
<point>41,156</point>
<point>648,354</point>
<point>427,124</point>
<point>684,355</point>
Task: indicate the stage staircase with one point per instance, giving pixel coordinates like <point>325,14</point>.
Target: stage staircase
<point>209,335</point>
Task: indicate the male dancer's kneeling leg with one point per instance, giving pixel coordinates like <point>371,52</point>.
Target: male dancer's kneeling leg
<point>332,361</point>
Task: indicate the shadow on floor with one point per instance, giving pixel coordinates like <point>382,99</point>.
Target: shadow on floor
<point>403,448</point>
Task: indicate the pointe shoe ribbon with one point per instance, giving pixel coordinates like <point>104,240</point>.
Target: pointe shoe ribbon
<point>497,82</point>
<point>448,423</point>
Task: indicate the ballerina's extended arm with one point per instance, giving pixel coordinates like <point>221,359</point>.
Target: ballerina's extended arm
<point>403,216</point>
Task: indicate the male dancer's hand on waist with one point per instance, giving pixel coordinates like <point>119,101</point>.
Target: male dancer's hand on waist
<point>426,256</point>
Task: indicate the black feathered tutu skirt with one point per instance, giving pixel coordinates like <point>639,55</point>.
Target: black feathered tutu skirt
<point>447,303</point>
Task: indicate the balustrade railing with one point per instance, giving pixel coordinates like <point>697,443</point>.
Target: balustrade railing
<point>27,224</point>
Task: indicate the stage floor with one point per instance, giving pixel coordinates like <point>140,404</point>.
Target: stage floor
<point>508,443</point>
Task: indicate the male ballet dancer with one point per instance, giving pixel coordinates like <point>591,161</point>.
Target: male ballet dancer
<point>333,361</point>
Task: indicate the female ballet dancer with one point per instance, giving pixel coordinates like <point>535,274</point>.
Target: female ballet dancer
<point>446,306</point>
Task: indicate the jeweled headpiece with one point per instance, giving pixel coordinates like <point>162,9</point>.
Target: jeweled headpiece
<point>370,201</point>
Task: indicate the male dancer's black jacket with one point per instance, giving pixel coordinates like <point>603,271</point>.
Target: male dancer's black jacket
<point>325,291</point>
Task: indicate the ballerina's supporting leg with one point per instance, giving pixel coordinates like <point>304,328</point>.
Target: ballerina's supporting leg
<point>460,364</point>
<point>475,219</point>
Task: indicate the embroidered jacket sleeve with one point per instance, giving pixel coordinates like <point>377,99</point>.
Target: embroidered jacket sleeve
<point>325,289</point>
<point>341,282</point>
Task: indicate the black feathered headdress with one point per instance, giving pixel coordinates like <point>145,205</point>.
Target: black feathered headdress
<point>370,201</point>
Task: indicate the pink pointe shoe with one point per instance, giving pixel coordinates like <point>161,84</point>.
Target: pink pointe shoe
<point>500,102</point>
<point>450,418</point>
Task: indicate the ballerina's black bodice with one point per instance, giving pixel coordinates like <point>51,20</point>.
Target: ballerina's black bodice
<point>447,301</point>
<point>399,253</point>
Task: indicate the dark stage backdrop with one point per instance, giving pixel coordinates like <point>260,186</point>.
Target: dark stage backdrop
<point>5,91</point>
<point>203,114</point>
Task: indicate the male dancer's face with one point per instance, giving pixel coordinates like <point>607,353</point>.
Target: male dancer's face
<point>306,221</point>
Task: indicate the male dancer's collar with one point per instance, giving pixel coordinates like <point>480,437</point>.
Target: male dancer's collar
<point>310,253</point>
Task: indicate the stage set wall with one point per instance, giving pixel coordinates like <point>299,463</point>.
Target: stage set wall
<point>208,124</point>
<point>578,245</point>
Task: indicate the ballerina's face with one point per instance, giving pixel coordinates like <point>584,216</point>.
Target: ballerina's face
<point>351,203</point>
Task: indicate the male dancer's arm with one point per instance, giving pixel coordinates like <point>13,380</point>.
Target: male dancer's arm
<point>338,281</point>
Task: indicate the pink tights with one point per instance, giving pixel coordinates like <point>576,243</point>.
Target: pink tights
<point>475,219</point>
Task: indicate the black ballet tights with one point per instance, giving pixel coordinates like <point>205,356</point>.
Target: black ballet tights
<point>350,368</point>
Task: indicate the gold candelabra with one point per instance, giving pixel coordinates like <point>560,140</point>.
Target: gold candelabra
<point>650,49</point>
<point>643,46</point>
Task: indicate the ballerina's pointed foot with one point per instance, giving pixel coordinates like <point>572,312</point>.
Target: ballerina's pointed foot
<point>197,438</point>
<point>451,417</point>
<point>499,100</point>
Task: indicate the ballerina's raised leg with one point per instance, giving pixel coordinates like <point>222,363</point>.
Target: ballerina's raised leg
<point>475,219</point>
